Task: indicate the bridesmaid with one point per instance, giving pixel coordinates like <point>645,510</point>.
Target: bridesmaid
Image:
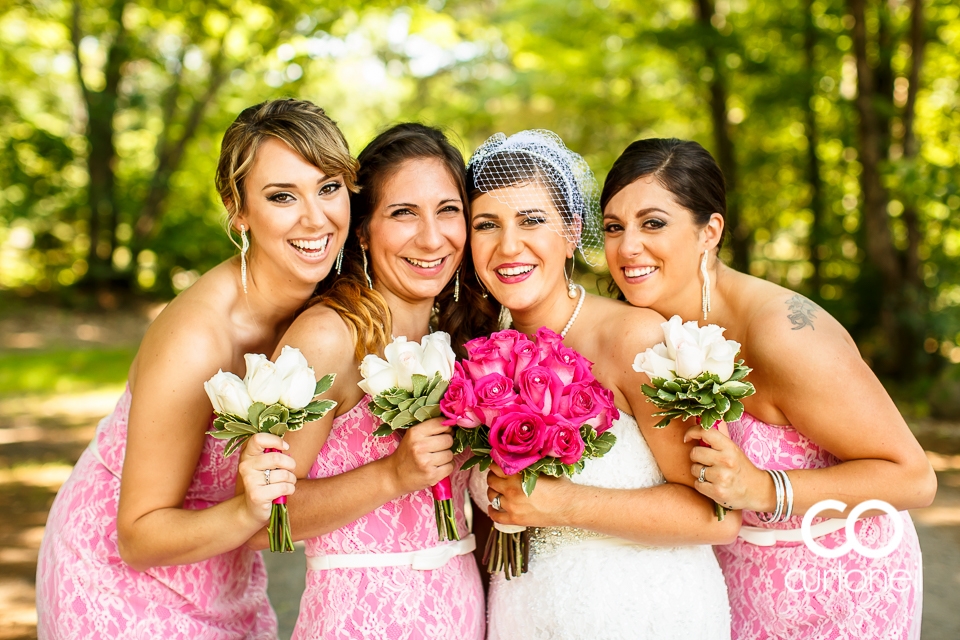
<point>663,205</point>
<point>375,567</point>
<point>146,539</point>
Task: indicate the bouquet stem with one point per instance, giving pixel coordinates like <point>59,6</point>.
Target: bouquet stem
<point>507,552</point>
<point>278,529</point>
<point>443,510</point>
<point>717,507</point>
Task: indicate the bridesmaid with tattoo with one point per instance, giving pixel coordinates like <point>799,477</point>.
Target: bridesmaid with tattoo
<point>820,427</point>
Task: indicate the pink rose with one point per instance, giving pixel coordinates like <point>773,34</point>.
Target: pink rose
<point>505,341</point>
<point>459,402</point>
<point>563,442</point>
<point>580,404</point>
<point>568,364</point>
<point>604,420</point>
<point>493,391</point>
<point>486,359</point>
<point>525,354</point>
<point>546,339</point>
<point>540,388</point>
<point>475,344</point>
<point>517,437</point>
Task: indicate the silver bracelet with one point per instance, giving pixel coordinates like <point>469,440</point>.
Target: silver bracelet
<point>788,486</point>
<point>778,512</point>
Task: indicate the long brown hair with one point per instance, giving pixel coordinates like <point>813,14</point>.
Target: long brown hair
<point>363,309</point>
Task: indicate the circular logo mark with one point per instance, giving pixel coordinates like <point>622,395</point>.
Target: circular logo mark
<point>852,541</point>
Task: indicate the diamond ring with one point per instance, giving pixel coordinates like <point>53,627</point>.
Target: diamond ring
<point>496,503</point>
<point>703,470</point>
<point>266,475</point>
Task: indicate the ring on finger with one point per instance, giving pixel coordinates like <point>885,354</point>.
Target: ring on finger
<point>495,503</point>
<point>266,475</point>
<point>703,470</point>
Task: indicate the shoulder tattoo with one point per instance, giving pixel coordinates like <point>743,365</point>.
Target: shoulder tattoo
<point>802,312</point>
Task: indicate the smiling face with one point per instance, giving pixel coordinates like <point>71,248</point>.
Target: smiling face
<point>654,247</point>
<point>296,215</point>
<point>417,231</point>
<point>517,252</point>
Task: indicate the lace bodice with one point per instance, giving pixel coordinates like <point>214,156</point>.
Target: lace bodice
<point>85,590</point>
<point>645,591</point>
<point>396,602</point>
<point>786,591</point>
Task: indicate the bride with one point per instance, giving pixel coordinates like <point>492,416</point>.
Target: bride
<point>622,550</point>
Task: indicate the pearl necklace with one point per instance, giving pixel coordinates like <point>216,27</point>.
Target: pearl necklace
<point>576,312</point>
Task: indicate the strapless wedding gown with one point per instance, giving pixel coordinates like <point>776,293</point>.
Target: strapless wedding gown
<point>584,585</point>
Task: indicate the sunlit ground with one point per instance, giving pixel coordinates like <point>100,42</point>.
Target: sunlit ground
<point>60,374</point>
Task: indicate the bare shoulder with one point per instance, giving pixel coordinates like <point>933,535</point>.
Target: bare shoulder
<point>788,331</point>
<point>322,335</point>
<point>624,330</point>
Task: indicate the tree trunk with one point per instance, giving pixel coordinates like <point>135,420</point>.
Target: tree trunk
<point>817,227</point>
<point>739,234</point>
<point>880,249</point>
<point>910,147</point>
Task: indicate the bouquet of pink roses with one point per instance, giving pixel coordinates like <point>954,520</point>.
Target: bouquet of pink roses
<point>533,407</point>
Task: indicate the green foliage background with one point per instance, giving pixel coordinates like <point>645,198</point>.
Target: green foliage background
<point>162,79</point>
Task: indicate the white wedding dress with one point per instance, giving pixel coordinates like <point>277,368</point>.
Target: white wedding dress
<point>582,585</point>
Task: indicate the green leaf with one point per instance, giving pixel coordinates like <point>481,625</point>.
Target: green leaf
<point>403,419</point>
<point>664,395</point>
<point>738,389</point>
<point>529,482</point>
<point>735,412</point>
<point>406,404</point>
<point>723,404</point>
<point>709,417</point>
<point>388,416</point>
<point>419,384</point>
<point>320,407</point>
<point>221,435</point>
<point>240,427</point>
<point>472,461</point>
<point>382,402</point>
<point>383,430</point>
<point>662,423</point>
<point>324,384</point>
<point>253,413</point>
<point>672,385</point>
<point>279,429</point>
<point>649,391</point>
<point>485,464</point>
<point>422,414</point>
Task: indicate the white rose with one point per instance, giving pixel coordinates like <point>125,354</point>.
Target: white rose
<point>291,360</point>
<point>675,333</point>
<point>655,363</point>
<point>438,356</point>
<point>263,381</point>
<point>228,394</point>
<point>720,358</point>
<point>378,375</point>
<point>300,386</point>
<point>406,359</point>
<point>689,360</point>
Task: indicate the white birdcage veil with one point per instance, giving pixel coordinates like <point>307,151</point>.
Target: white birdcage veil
<point>539,156</point>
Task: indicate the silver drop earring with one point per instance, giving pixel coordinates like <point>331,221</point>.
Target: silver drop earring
<point>366,274</point>
<point>456,286</point>
<point>705,293</point>
<point>571,288</point>
<point>244,247</point>
<point>480,282</point>
<point>339,262</point>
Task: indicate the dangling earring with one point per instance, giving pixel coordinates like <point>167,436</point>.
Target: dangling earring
<point>456,286</point>
<point>480,282</point>
<point>705,293</point>
<point>339,260</point>
<point>363,250</point>
<point>505,319</point>
<point>244,247</point>
<point>571,288</point>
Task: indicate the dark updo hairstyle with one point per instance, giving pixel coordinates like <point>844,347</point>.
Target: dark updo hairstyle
<point>363,309</point>
<point>682,167</point>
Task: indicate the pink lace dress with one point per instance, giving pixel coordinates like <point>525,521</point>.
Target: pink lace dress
<point>386,602</point>
<point>84,589</point>
<point>787,591</point>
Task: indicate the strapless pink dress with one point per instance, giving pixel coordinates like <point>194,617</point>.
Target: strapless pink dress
<point>787,591</point>
<point>392,602</point>
<point>84,589</point>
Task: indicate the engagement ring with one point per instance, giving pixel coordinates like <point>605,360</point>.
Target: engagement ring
<point>266,476</point>
<point>703,470</point>
<point>496,503</point>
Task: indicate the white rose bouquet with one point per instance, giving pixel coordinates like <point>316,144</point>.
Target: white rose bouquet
<point>406,390</point>
<point>695,374</point>
<point>271,398</point>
